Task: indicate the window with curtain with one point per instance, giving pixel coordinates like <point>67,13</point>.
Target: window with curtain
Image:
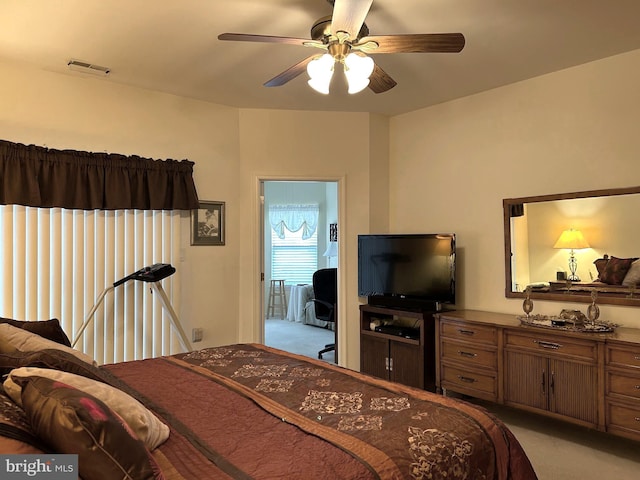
<point>56,262</point>
<point>72,224</point>
<point>294,242</point>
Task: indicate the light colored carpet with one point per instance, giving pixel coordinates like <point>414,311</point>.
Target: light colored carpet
<point>561,451</point>
<point>296,337</point>
<point>557,450</point>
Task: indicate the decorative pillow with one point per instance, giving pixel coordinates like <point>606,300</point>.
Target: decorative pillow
<point>633,275</point>
<point>615,270</point>
<point>600,264</point>
<point>74,422</point>
<point>13,339</point>
<point>145,425</point>
<point>49,329</point>
<point>16,435</point>
<point>49,358</point>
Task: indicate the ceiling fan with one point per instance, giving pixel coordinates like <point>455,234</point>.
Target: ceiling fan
<point>345,38</point>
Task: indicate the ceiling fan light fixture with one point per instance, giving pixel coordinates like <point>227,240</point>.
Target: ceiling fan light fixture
<point>358,69</point>
<point>320,71</point>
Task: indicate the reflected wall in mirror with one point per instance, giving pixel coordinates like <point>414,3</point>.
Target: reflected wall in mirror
<point>537,256</point>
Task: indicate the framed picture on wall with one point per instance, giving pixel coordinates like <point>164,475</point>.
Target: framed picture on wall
<point>207,224</point>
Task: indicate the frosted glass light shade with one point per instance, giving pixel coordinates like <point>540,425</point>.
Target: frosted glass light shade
<point>320,71</point>
<point>358,70</point>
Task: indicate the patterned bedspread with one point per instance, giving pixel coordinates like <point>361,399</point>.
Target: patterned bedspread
<point>249,411</point>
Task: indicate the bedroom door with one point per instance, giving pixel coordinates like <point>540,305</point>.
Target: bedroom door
<point>299,219</point>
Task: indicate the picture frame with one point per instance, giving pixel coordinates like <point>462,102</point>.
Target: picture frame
<point>207,224</point>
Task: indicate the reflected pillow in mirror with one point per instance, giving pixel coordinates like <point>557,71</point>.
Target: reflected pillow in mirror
<point>632,278</point>
<point>616,270</point>
<point>600,264</point>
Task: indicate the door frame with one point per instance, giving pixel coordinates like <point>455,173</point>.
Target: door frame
<point>258,268</point>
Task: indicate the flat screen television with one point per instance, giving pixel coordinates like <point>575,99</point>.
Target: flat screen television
<point>413,271</point>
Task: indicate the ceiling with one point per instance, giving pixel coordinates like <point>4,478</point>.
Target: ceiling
<point>172,45</point>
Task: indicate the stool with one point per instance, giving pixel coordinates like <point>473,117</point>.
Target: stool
<point>277,299</point>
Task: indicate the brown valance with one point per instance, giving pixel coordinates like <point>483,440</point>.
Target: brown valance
<point>43,177</point>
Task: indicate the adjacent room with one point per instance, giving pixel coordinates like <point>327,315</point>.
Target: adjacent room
<point>174,174</point>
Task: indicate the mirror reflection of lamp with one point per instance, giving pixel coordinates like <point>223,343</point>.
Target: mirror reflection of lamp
<point>572,240</point>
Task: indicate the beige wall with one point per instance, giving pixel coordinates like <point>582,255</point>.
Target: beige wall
<point>87,113</point>
<point>452,164</point>
<point>294,145</point>
<point>232,149</point>
<point>449,168</point>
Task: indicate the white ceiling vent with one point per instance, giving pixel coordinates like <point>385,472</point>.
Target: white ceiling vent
<point>85,67</point>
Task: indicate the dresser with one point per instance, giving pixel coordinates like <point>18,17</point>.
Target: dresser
<point>588,379</point>
<point>622,383</point>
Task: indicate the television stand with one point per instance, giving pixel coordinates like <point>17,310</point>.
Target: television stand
<point>406,359</point>
<point>405,304</point>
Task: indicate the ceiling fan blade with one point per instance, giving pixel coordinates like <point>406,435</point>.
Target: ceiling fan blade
<point>348,16</point>
<point>416,43</point>
<point>380,81</point>
<point>290,73</point>
<point>246,37</point>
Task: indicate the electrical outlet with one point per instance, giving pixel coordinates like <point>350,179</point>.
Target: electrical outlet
<point>196,335</point>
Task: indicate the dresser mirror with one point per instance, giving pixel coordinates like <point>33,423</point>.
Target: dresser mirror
<point>600,225</point>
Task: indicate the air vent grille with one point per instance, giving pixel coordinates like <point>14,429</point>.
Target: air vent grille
<point>85,67</point>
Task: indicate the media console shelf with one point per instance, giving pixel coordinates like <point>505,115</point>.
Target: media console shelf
<point>410,361</point>
<point>591,379</point>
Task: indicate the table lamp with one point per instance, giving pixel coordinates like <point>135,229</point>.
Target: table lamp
<point>572,240</point>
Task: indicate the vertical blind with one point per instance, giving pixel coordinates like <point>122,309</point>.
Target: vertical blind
<point>56,262</point>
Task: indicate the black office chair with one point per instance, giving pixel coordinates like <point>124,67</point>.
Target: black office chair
<point>325,292</point>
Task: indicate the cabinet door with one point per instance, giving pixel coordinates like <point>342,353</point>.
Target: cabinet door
<point>573,389</point>
<point>374,356</point>
<point>526,379</point>
<point>407,365</point>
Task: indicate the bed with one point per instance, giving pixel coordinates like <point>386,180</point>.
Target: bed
<point>248,411</point>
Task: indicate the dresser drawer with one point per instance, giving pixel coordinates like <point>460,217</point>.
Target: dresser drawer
<point>619,383</point>
<point>623,417</point>
<point>461,380</point>
<point>468,354</point>
<point>469,332</point>
<point>552,345</point>
<point>623,356</point>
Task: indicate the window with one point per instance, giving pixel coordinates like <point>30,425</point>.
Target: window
<point>56,262</point>
<point>292,258</point>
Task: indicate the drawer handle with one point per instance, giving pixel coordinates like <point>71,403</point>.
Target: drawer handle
<point>637,387</point>
<point>466,332</point>
<point>636,357</point>
<point>550,345</point>
<point>637,419</point>
<point>470,355</point>
<point>466,379</point>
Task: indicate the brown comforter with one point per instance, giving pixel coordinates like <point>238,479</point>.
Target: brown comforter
<point>249,411</point>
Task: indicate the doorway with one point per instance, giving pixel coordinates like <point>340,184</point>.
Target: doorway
<point>299,237</point>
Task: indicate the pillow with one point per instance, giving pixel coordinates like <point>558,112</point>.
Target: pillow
<point>633,275</point>
<point>615,270</point>
<point>13,339</point>
<point>49,329</point>
<point>600,264</point>
<point>49,358</point>
<point>146,426</point>
<point>74,422</point>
